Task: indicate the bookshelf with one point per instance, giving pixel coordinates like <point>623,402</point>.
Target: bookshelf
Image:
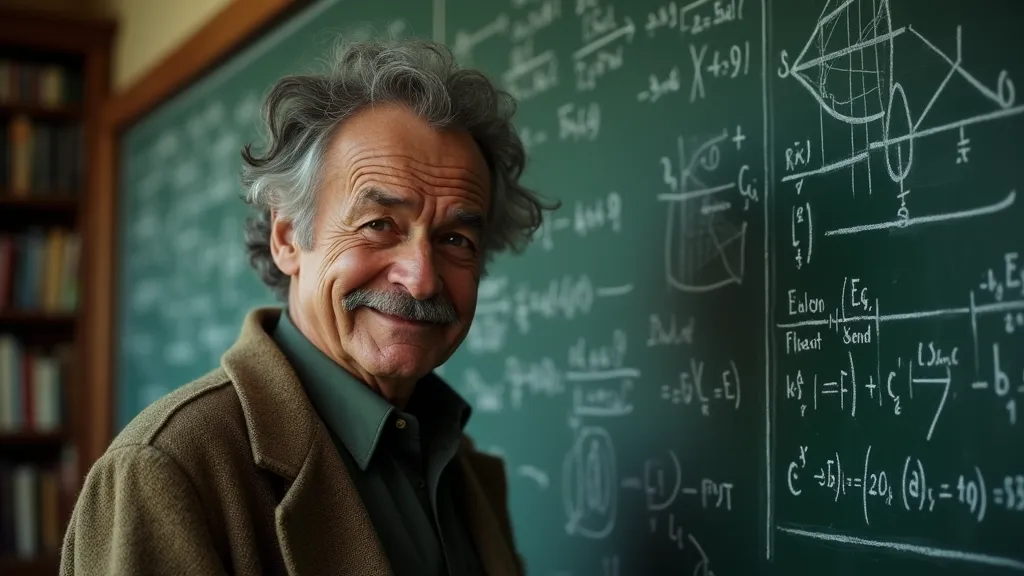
<point>54,78</point>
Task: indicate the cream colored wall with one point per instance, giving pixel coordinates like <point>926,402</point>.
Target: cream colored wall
<point>149,30</point>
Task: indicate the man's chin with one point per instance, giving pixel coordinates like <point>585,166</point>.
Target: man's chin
<point>394,352</point>
<point>401,362</point>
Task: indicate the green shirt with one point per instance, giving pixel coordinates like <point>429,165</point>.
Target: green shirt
<point>400,461</point>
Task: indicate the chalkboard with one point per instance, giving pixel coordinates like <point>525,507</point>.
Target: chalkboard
<point>776,326</point>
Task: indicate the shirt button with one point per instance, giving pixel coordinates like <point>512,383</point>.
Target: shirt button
<point>421,483</point>
<point>400,423</point>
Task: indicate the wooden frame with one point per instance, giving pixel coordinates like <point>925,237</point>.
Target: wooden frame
<point>239,23</point>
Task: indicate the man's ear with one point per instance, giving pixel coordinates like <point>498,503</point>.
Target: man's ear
<point>283,247</point>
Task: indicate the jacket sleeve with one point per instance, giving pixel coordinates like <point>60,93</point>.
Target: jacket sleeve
<point>138,513</point>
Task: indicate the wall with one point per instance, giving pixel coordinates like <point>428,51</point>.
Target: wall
<point>149,30</point>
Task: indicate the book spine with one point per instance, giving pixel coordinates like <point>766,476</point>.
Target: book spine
<point>5,81</point>
<point>28,397</point>
<point>6,270</point>
<point>69,273</point>
<point>8,349</point>
<point>26,521</point>
<point>52,276</point>
<point>20,137</point>
<point>14,373</point>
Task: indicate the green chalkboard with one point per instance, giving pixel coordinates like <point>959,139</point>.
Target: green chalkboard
<point>777,325</point>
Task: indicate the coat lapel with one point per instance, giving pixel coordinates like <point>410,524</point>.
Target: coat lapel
<point>322,525</point>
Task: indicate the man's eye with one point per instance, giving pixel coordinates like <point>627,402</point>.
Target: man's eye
<point>379,225</point>
<point>459,241</point>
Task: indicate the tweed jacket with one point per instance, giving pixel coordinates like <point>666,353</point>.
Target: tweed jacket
<point>235,473</point>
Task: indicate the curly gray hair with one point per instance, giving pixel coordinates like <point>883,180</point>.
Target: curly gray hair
<point>302,112</point>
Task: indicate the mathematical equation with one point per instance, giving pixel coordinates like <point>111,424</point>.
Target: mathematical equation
<point>591,499</point>
<point>705,243</point>
<point>909,487</point>
<point>693,389</point>
<point>562,299</point>
<point>930,363</point>
<point>596,376</point>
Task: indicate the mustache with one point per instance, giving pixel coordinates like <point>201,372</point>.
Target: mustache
<point>436,310</point>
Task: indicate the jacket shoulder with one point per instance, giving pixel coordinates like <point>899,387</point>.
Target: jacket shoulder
<point>185,456</point>
<point>197,402</point>
<point>201,426</point>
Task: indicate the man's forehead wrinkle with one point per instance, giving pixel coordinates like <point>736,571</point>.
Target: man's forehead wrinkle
<point>356,151</point>
<point>386,181</point>
<point>367,183</point>
<point>377,195</point>
<point>460,183</point>
<point>455,169</point>
<point>400,188</point>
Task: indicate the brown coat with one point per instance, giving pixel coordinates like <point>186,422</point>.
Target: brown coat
<point>236,474</point>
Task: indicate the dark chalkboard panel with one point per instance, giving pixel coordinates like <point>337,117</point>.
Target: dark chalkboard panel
<point>777,325</point>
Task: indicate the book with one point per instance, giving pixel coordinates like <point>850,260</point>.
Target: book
<point>32,385</point>
<point>20,141</point>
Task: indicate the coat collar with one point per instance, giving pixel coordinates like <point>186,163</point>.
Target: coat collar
<point>322,504</point>
<point>281,421</point>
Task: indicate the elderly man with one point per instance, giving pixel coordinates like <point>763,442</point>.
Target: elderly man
<point>324,444</point>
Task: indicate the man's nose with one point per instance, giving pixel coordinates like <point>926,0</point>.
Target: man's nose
<point>414,269</point>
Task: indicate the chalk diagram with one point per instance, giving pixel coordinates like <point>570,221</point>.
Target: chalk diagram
<point>704,249</point>
<point>589,484</point>
<point>856,85</point>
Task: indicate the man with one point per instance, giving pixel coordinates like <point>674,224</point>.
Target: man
<point>324,444</point>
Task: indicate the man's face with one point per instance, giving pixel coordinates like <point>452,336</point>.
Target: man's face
<point>398,234</point>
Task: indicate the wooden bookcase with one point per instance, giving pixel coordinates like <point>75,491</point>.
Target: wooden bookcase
<point>80,48</point>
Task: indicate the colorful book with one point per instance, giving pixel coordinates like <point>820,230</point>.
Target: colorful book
<point>20,139</point>
<point>8,382</point>
<point>26,521</point>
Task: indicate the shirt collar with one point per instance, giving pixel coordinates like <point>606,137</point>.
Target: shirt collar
<point>356,414</point>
